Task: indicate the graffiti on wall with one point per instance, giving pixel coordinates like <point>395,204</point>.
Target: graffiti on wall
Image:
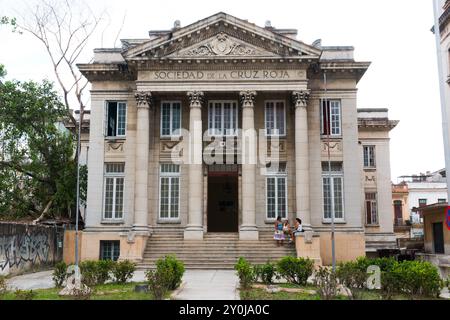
<point>17,250</point>
<point>25,248</point>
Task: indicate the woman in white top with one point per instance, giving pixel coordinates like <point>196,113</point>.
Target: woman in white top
<point>298,228</point>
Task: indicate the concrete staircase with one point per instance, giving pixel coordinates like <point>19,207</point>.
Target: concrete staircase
<point>216,251</point>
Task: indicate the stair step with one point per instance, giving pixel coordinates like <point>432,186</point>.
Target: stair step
<point>215,251</point>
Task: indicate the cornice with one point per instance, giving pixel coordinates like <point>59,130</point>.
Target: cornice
<point>377,124</point>
<point>106,71</point>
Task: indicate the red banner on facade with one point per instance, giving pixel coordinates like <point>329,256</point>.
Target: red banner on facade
<point>448,218</point>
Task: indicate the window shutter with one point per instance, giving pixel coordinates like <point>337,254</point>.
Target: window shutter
<point>105,119</point>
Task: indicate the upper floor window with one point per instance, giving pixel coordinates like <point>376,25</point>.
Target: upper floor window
<point>114,186</point>
<point>369,156</point>
<point>222,118</point>
<point>330,117</point>
<point>333,186</point>
<point>170,118</point>
<point>442,200</point>
<point>116,119</point>
<point>422,202</point>
<point>169,191</point>
<point>275,118</point>
<point>371,208</point>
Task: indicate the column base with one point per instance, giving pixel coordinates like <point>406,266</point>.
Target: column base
<point>249,233</point>
<point>193,233</point>
<point>141,230</point>
<point>307,227</point>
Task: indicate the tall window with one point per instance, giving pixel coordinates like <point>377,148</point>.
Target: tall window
<point>170,118</point>
<point>333,185</point>
<point>369,156</point>
<point>371,208</point>
<point>116,119</point>
<point>114,181</point>
<point>275,116</point>
<point>169,191</point>
<point>109,250</point>
<point>276,197</point>
<point>222,118</point>
<point>330,117</point>
<point>398,212</point>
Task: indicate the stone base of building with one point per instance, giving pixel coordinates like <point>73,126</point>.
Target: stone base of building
<point>249,233</point>
<point>132,245</point>
<point>193,233</point>
<point>348,246</point>
<point>380,241</point>
<point>307,245</point>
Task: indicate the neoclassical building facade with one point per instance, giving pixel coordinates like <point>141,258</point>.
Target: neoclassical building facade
<point>220,127</point>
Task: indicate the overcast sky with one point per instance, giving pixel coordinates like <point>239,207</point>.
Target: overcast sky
<point>394,35</point>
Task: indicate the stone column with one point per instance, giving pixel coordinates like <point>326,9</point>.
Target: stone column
<point>144,102</point>
<point>194,229</point>
<point>248,229</point>
<point>300,100</point>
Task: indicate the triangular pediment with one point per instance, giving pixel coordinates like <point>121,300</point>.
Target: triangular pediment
<point>221,36</point>
<point>222,45</point>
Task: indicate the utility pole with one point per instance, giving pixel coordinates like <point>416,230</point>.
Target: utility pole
<point>328,129</point>
<point>78,191</point>
<point>442,88</point>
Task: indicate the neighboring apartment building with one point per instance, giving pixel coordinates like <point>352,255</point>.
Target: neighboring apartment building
<point>422,190</point>
<point>212,130</point>
<point>401,214</point>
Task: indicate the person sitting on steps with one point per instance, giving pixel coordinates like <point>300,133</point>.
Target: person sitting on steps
<point>298,229</point>
<point>279,234</point>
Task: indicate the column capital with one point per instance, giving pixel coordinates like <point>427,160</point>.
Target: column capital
<point>300,98</point>
<point>248,98</point>
<point>196,98</point>
<point>144,99</point>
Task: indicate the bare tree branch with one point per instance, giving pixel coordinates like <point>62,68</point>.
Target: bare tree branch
<point>64,28</point>
<point>120,29</point>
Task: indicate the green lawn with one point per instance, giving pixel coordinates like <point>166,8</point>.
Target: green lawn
<point>262,294</point>
<point>100,292</point>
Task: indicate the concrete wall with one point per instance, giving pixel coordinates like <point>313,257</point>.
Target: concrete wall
<point>24,247</point>
<point>131,248</point>
<point>348,247</point>
<point>435,217</point>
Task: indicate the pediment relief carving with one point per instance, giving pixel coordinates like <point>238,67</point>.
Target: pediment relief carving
<point>223,45</point>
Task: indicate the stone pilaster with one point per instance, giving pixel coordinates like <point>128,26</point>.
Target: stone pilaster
<point>144,102</point>
<point>248,229</point>
<point>300,100</point>
<point>194,229</point>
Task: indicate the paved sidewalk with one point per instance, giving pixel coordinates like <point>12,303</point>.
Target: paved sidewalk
<point>208,285</point>
<point>197,284</point>
<point>31,281</point>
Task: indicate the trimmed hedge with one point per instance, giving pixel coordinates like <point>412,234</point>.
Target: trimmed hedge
<point>415,278</point>
<point>174,268</point>
<point>295,270</point>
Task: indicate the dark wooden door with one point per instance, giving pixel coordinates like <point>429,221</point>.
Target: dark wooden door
<point>223,203</point>
<point>398,212</point>
<point>438,238</point>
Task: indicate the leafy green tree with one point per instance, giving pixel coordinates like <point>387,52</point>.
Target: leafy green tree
<point>37,165</point>
<point>2,71</point>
